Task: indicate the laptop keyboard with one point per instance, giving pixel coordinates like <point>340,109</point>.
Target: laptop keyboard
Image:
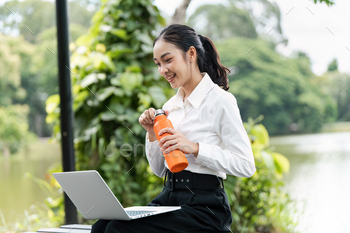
<point>135,212</point>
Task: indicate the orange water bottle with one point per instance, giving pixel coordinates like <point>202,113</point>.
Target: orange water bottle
<point>176,159</point>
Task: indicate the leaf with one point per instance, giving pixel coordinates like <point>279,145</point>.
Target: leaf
<point>145,99</point>
<point>88,80</point>
<point>268,160</point>
<point>261,136</point>
<point>119,33</point>
<point>147,48</point>
<point>281,162</point>
<point>52,103</point>
<point>105,28</point>
<point>133,68</point>
<point>50,118</point>
<point>81,96</point>
<point>130,80</point>
<point>90,131</point>
<point>106,92</point>
<point>158,96</point>
<point>108,116</point>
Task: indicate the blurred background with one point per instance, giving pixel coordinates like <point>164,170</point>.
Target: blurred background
<point>290,75</point>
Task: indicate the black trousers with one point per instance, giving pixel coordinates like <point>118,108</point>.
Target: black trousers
<point>201,211</point>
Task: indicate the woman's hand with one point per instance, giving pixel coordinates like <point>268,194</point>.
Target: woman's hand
<point>147,119</point>
<point>176,140</point>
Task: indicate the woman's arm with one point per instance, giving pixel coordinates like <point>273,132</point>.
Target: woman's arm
<point>154,156</point>
<point>236,158</point>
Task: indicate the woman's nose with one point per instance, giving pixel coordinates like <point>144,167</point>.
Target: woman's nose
<point>163,70</point>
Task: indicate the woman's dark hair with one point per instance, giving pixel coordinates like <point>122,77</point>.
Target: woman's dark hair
<point>183,37</point>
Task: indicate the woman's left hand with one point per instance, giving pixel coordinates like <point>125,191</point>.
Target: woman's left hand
<point>176,141</point>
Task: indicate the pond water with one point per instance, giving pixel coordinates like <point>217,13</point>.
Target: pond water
<point>318,181</point>
<point>19,192</point>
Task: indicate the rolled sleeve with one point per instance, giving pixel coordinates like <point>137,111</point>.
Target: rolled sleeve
<point>155,157</point>
<point>236,157</point>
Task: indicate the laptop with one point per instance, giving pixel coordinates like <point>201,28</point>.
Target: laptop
<point>95,200</point>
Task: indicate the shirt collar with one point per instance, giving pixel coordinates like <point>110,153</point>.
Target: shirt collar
<point>197,95</point>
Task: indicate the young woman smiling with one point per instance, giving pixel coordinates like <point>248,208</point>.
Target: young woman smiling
<point>207,128</point>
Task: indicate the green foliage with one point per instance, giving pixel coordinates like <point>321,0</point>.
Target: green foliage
<point>38,16</point>
<point>336,85</point>
<point>259,203</point>
<point>333,66</point>
<point>10,79</point>
<point>239,18</point>
<point>29,72</point>
<point>13,128</point>
<point>38,216</point>
<point>114,81</point>
<point>29,80</point>
<point>279,88</point>
<point>54,202</point>
<point>222,22</point>
<point>328,2</point>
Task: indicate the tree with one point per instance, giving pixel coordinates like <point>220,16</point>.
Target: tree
<point>336,85</point>
<point>222,22</point>
<point>30,18</point>
<point>280,89</point>
<point>37,69</point>
<point>328,2</point>
<point>10,79</point>
<point>333,66</point>
<point>180,13</point>
<point>13,128</point>
<point>204,16</point>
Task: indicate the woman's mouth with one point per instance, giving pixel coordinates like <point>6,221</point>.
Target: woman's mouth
<point>171,78</point>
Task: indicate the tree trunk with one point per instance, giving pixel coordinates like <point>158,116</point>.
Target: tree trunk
<point>180,13</point>
<point>6,151</point>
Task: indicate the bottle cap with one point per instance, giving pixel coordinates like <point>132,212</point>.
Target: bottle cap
<point>159,112</point>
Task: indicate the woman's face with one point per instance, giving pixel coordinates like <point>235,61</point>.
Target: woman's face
<point>170,62</point>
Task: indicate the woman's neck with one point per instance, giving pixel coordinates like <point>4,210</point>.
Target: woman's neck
<point>191,85</point>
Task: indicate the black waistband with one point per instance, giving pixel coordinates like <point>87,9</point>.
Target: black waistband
<point>189,180</point>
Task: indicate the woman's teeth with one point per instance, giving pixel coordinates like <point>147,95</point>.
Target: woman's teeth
<point>171,78</point>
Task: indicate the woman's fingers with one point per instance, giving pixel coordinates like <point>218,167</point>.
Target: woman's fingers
<point>150,115</point>
<point>168,143</point>
<point>166,130</point>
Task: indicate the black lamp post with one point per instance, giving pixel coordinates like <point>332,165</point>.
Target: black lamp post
<point>66,117</point>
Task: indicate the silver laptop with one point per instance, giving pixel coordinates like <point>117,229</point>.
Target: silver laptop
<point>95,200</point>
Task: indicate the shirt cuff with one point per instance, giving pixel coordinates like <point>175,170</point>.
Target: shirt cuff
<point>204,154</point>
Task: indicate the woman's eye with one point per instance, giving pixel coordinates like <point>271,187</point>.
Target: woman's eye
<point>168,60</point>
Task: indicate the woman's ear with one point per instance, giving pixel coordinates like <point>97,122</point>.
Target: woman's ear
<point>192,53</point>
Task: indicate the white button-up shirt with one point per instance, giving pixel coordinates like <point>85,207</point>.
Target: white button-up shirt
<point>209,116</point>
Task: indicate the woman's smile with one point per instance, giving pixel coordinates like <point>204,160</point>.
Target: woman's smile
<point>171,78</point>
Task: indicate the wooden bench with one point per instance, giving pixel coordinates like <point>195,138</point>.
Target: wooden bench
<point>72,228</point>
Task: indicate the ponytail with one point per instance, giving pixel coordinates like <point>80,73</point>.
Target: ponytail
<point>208,60</point>
<point>211,64</point>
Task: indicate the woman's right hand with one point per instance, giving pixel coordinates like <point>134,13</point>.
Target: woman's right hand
<point>147,119</point>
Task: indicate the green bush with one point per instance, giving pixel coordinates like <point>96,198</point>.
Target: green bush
<point>259,203</point>
<point>14,128</point>
<point>114,81</point>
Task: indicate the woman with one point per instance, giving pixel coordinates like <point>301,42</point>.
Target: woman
<point>207,128</point>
